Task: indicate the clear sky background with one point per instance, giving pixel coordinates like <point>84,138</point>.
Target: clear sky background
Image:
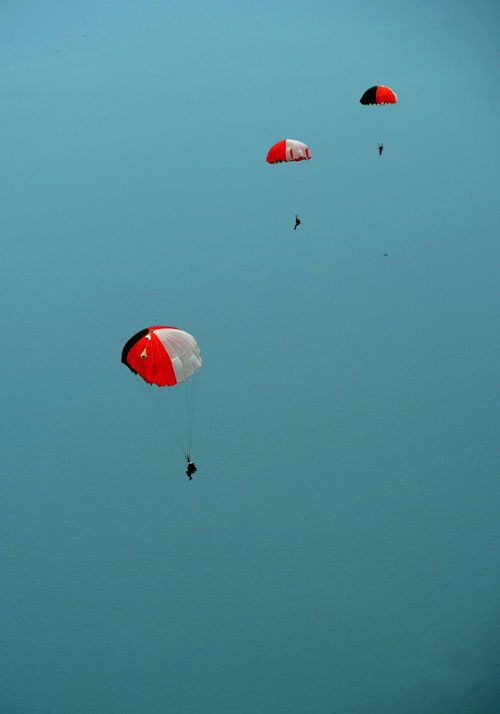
<point>337,551</point>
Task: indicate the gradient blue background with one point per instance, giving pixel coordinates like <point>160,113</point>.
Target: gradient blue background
<point>338,549</point>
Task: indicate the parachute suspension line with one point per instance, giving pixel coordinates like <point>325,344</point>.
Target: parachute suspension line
<point>173,409</point>
<point>298,185</point>
<point>191,399</point>
<point>188,414</point>
<point>163,414</point>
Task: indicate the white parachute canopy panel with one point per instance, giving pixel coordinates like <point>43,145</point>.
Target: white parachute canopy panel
<point>183,351</point>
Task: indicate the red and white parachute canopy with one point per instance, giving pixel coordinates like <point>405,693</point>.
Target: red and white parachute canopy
<point>287,150</point>
<point>162,355</point>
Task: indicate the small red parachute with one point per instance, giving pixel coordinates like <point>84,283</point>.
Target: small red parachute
<point>379,95</point>
<point>288,150</point>
<point>164,356</point>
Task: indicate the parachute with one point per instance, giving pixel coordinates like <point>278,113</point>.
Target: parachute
<point>287,150</point>
<point>167,357</point>
<point>378,95</point>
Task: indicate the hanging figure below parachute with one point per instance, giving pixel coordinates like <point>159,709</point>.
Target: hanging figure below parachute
<point>191,468</point>
<point>297,222</point>
<point>166,357</point>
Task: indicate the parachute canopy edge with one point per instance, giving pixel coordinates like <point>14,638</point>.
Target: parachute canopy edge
<point>378,94</point>
<point>129,344</point>
<point>288,150</point>
<point>164,356</point>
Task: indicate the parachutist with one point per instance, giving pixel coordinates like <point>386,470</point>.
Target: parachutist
<point>297,222</point>
<point>191,468</point>
<point>380,149</point>
<point>165,357</point>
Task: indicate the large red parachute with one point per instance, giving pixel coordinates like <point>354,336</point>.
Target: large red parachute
<point>379,95</point>
<point>164,356</point>
<point>287,150</point>
<point>167,356</point>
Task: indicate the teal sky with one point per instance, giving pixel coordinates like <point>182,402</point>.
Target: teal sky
<point>337,550</point>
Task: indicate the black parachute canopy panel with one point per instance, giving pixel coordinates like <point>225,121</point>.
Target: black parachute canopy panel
<point>370,96</point>
<point>128,346</point>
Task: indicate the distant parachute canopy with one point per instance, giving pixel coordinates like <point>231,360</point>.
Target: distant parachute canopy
<point>164,356</point>
<point>287,150</point>
<point>378,95</point>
